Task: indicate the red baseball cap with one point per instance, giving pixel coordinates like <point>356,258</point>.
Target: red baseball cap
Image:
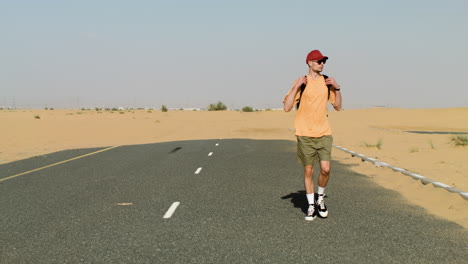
<point>315,55</point>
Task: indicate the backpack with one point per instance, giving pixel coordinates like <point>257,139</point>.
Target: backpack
<point>303,86</point>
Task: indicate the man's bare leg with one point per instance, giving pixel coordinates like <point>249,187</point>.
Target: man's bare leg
<point>322,183</point>
<point>308,179</point>
<point>324,173</point>
<point>309,186</point>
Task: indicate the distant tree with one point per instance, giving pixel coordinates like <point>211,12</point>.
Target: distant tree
<point>247,109</point>
<point>163,108</point>
<point>217,107</point>
<point>221,106</point>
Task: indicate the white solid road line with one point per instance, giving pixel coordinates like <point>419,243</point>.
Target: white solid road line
<point>198,170</point>
<point>171,210</point>
<point>209,154</point>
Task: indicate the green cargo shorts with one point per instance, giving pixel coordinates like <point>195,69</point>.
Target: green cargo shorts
<point>313,149</point>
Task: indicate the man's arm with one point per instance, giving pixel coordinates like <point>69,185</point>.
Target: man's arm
<point>337,104</point>
<point>337,90</point>
<point>289,100</point>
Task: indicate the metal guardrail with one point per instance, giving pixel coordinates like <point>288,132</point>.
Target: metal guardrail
<point>413,175</point>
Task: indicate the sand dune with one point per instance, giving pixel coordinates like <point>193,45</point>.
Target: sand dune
<point>377,133</point>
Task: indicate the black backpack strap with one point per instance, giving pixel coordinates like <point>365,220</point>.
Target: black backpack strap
<point>303,86</point>
<point>328,86</point>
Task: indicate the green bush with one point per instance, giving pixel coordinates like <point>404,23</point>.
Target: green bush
<point>247,109</point>
<point>217,107</point>
<point>163,108</point>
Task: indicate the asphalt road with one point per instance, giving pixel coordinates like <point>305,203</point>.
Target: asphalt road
<point>246,205</point>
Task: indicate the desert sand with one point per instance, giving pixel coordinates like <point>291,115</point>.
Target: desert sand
<point>377,133</point>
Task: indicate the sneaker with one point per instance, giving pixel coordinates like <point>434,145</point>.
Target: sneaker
<point>322,208</point>
<point>311,213</point>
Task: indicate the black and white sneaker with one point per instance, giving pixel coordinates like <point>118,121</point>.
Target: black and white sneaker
<point>321,207</point>
<point>311,213</point>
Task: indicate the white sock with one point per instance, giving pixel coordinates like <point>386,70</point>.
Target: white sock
<point>321,190</point>
<point>310,198</point>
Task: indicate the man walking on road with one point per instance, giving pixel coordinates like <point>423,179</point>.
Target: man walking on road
<point>311,93</point>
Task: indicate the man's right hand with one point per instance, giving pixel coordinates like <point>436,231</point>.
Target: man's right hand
<point>302,80</point>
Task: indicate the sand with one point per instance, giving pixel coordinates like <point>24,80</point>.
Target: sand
<point>377,133</point>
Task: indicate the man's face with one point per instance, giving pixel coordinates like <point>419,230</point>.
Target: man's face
<point>317,66</point>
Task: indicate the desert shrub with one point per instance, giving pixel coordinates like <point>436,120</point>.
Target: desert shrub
<point>247,109</point>
<point>459,140</point>
<point>413,150</point>
<point>217,107</point>
<point>431,144</point>
<point>163,108</point>
<point>377,145</point>
<point>37,117</point>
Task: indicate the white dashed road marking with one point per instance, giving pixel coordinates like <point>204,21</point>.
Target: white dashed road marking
<point>209,154</point>
<point>217,144</point>
<point>198,170</point>
<point>171,210</point>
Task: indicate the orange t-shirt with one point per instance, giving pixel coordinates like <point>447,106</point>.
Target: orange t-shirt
<point>311,118</point>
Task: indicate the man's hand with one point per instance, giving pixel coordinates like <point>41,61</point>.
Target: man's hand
<point>302,80</point>
<point>332,82</point>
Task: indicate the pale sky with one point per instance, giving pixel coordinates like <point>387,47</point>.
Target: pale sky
<point>68,54</point>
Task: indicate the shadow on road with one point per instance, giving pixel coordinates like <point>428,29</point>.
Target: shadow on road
<point>298,199</point>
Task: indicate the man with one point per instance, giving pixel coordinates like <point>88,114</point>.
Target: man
<point>314,137</point>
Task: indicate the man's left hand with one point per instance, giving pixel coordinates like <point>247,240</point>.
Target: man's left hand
<point>332,82</point>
